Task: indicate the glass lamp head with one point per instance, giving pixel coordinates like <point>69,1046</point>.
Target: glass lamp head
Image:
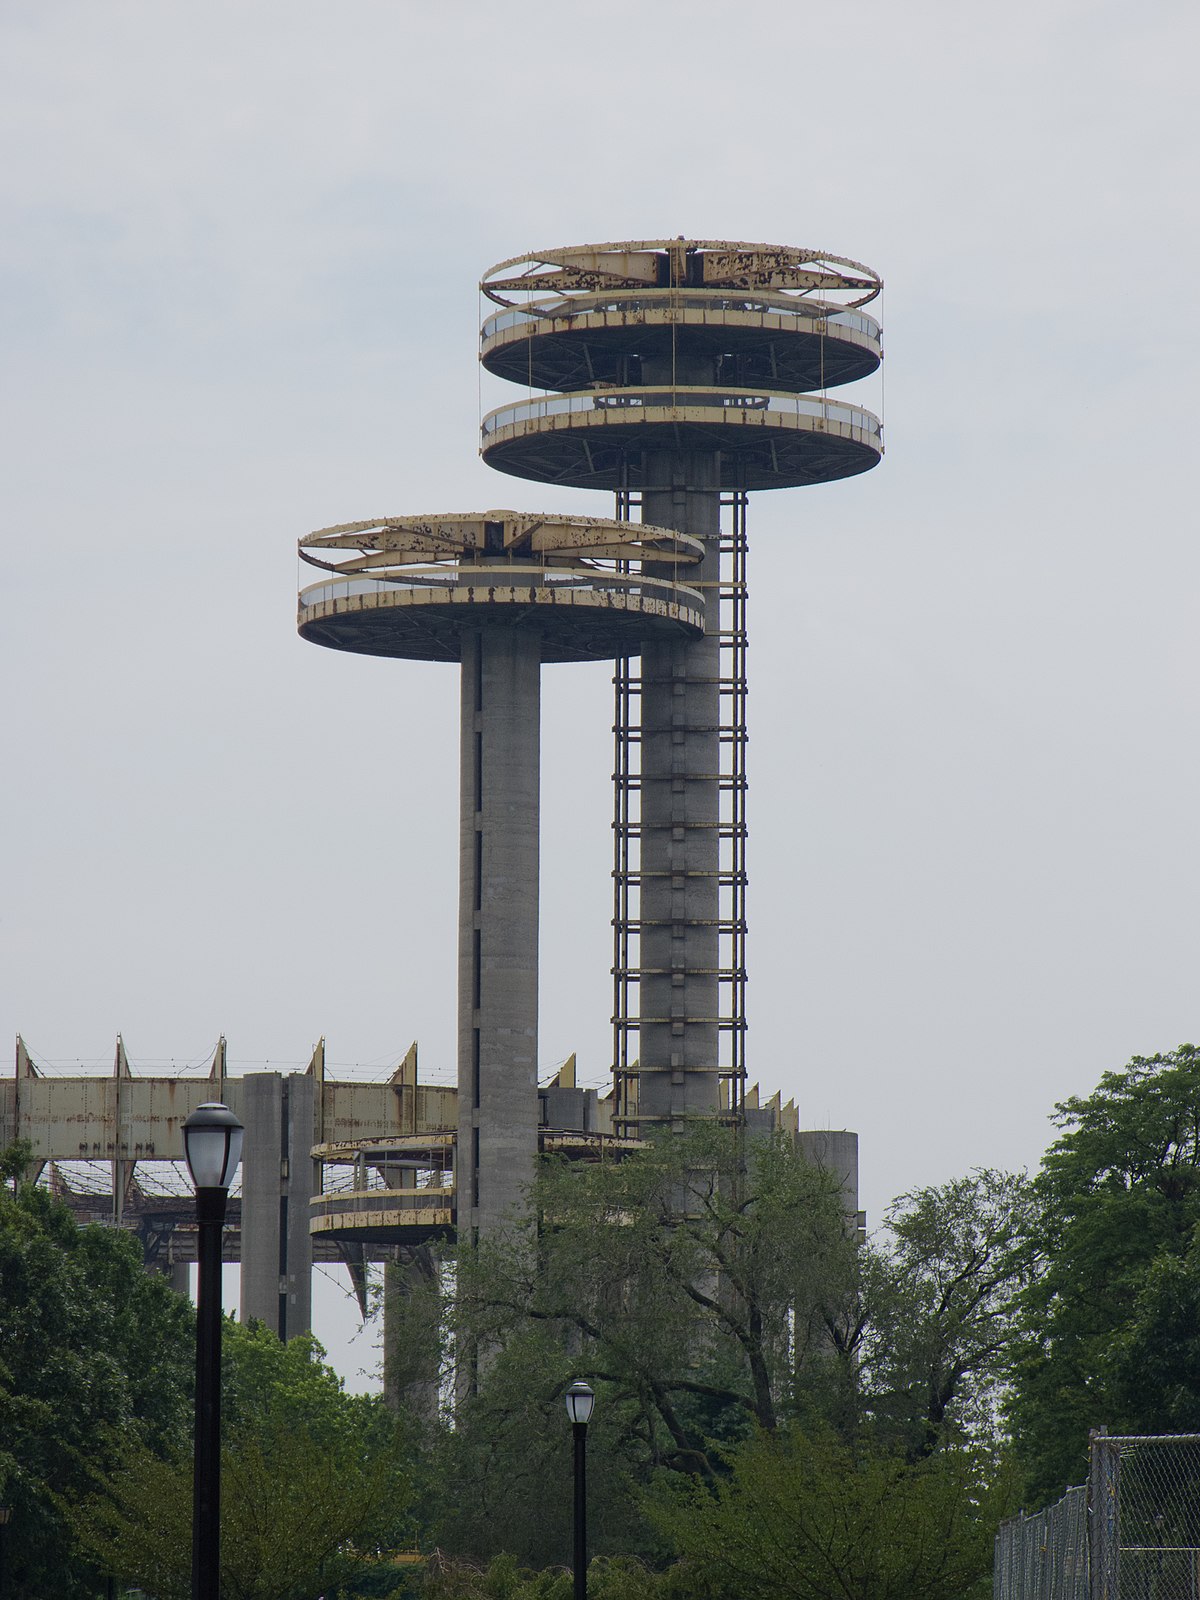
<point>580,1400</point>
<point>212,1143</point>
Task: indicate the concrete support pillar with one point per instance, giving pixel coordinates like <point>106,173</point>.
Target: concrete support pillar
<point>412,1350</point>
<point>835,1151</point>
<point>680,816</point>
<point>277,1184</point>
<point>498,926</point>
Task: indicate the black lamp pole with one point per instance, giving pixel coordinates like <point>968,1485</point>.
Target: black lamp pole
<point>212,1138</point>
<point>5,1513</point>
<point>580,1401</point>
<point>206,1479</point>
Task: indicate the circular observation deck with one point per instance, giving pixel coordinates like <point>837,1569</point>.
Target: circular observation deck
<point>402,1190</point>
<point>413,586</point>
<point>599,438</point>
<point>691,310</point>
<point>744,340</point>
<point>391,1191</point>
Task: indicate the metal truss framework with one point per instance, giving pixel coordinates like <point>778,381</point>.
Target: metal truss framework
<point>732,832</point>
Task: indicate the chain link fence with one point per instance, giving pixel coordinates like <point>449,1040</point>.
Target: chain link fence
<point>1045,1557</point>
<point>1132,1532</point>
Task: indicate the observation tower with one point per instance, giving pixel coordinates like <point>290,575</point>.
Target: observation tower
<point>499,592</point>
<point>681,375</point>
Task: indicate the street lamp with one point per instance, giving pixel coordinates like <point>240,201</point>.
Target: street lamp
<point>580,1400</point>
<point>212,1143</point>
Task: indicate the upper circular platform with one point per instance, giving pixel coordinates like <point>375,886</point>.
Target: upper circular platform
<point>744,339</point>
<point>630,312</point>
<point>414,585</point>
<point>600,438</point>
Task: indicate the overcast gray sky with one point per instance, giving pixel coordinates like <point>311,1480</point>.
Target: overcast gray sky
<point>238,300</point>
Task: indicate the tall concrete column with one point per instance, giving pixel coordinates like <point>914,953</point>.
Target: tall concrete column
<point>835,1151</point>
<point>412,1350</point>
<point>680,816</point>
<point>277,1184</point>
<point>498,925</point>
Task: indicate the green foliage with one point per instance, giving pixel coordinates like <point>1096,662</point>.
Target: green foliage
<point>609,1578</point>
<point>503,1476</point>
<point>313,1483</point>
<point>1152,1372</point>
<point>95,1359</point>
<point>272,1387</point>
<point>940,1306</point>
<point>809,1519</point>
<point>1109,1330</point>
<point>675,1272</point>
<point>670,1280</point>
<point>711,1290</point>
<point>289,1515</point>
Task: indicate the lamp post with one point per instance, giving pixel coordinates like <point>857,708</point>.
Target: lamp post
<point>212,1143</point>
<point>580,1400</point>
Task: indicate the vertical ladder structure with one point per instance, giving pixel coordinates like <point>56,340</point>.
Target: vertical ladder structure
<point>681,375</point>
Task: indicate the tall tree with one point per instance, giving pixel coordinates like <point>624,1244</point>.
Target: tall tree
<point>1108,1335</point>
<point>798,1518</point>
<point>315,1484</point>
<point>941,1294</point>
<point>96,1359</point>
<point>685,1281</point>
<point>678,1275</point>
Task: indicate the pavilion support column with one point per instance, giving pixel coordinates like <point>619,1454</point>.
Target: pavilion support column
<point>498,927</point>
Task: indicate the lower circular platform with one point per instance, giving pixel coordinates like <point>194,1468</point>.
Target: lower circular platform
<point>389,1216</point>
<point>591,619</point>
<point>367,1207</point>
<point>600,438</point>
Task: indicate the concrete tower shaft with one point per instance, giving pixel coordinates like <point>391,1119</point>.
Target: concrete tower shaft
<point>500,592</point>
<point>677,370</point>
<point>498,921</point>
<point>679,909</point>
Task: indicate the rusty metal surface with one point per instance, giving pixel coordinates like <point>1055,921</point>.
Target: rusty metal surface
<point>409,587</point>
<point>431,1150</point>
<point>473,538</point>
<point>587,1146</point>
<point>402,1213</point>
<point>678,263</point>
<point>138,1119</point>
<point>97,1118</point>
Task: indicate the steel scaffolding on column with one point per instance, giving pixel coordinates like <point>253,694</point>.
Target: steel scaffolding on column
<point>731,860</point>
<point>680,374</point>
